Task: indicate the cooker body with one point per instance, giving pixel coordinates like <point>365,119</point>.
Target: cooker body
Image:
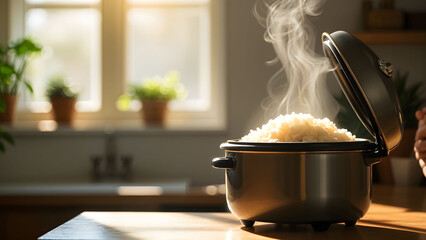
<point>298,187</point>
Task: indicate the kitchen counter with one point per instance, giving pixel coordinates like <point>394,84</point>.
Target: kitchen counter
<point>139,188</point>
<point>397,213</point>
<point>164,195</point>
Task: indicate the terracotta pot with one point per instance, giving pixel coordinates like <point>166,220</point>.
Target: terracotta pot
<point>63,110</point>
<point>9,115</point>
<point>154,111</point>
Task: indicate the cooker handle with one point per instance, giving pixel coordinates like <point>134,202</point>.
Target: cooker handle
<point>223,162</point>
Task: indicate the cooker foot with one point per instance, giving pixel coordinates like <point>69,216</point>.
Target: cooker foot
<point>247,223</point>
<point>350,223</point>
<point>320,226</point>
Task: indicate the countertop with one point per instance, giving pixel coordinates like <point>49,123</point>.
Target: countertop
<point>138,188</point>
<point>396,213</point>
<point>156,195</point>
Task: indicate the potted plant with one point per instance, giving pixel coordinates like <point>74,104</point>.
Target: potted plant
<point>13,62</point>
<point>154,94</point>
<point>63,100</point>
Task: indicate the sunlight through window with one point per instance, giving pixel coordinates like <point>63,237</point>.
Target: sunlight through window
<point>70,40</point>
<point>163,39</point>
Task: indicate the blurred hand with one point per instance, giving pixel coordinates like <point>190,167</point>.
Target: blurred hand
<point>420,144</point>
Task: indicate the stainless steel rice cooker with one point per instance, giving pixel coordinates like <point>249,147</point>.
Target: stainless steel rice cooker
<point>323,182</point>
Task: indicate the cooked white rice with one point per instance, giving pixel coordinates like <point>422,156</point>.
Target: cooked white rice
<point>298,128</point>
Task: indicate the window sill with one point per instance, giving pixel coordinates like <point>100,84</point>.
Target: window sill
<point>121,123</point>
<point>49,127</point>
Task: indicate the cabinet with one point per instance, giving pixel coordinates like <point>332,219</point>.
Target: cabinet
<point>30,216</point>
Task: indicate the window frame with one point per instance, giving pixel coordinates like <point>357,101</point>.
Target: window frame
<point>113,67</point>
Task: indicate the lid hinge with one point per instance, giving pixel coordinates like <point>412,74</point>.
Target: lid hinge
<point>375,155</point>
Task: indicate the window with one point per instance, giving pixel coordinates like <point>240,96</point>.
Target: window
<point>166,37</point>
<point>71,48</point>
<point>101,46</point>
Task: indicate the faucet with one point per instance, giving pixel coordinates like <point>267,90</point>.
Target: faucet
<point>110,154</point>
<point>111,172</point>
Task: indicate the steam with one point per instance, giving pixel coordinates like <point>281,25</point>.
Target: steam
<point>299,86</point>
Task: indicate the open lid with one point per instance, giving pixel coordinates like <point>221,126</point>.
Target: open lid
<point>366,82</point>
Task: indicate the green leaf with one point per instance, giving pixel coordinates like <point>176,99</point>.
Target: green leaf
<point>13,62</point>
<point>29,87</point>
<point>2,147</point>
<point>123,102</point>
<point>161,88</point>
<point>58,87</point>
<point>6,70</point>
<point>24,46</point>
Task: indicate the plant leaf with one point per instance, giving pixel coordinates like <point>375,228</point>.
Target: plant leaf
<point>163,88</point>
<point>6,71</point>
<point>29,87</point>
<point>24,46</point>
<point>123,102</point>
<point>58,87</point>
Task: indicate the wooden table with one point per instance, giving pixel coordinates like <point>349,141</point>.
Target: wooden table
<point>397,213</point>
